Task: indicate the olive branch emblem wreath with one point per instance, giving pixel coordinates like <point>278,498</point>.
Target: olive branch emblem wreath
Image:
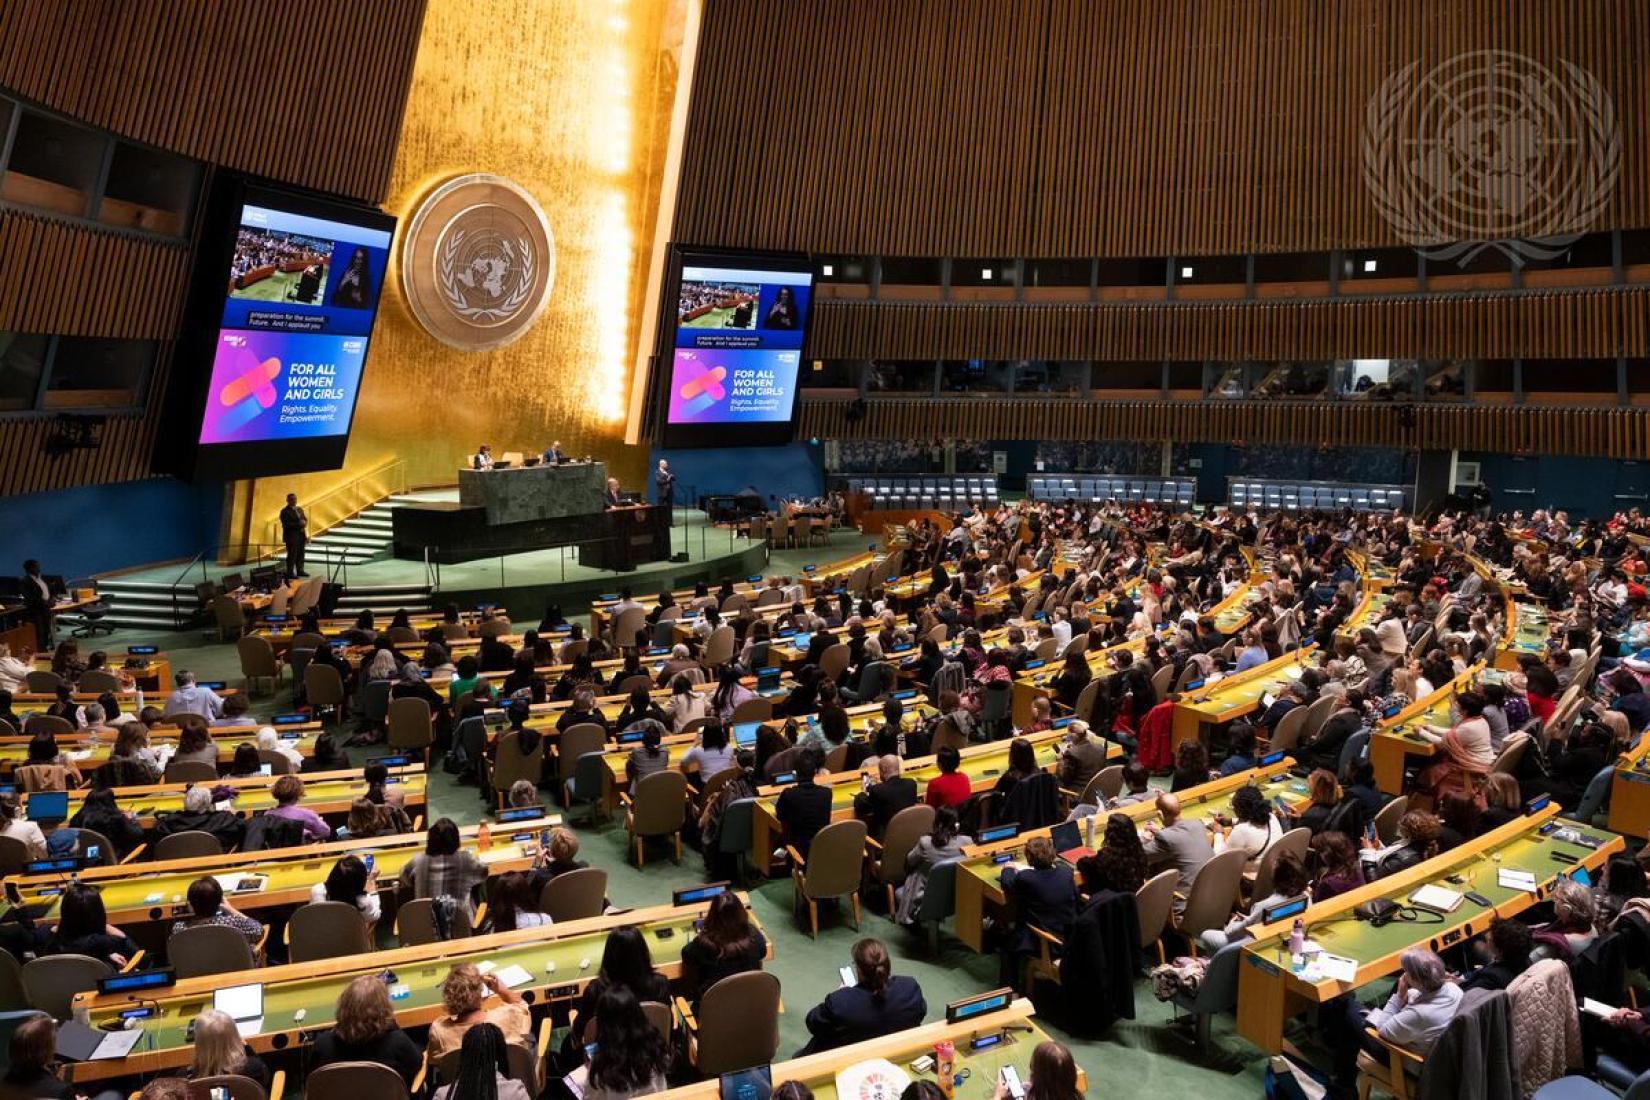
<point>1491,149</point>
<point>446,277</point>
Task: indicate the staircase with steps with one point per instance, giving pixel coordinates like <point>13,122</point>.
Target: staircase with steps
<point>364,537</point>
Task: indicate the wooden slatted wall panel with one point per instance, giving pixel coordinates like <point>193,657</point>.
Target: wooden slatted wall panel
<point>126,443</point>
<point>1616,433</point>
<point>1092,127</point>
<point>1535,325</point>
<point>71,280</point>
<point>305,91</point>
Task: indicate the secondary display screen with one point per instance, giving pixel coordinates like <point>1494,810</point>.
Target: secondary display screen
<point>285,292</point>
<point>736,353</point>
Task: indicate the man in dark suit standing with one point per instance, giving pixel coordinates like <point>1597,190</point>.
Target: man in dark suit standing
<point>876,1004</point>
<point>295,533</point>
<point>553,455</point>
<point>37,602</point>
<point>665,482</point>
<point>878,803</point>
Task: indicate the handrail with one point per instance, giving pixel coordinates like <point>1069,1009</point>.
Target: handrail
<point>348,500</point>
<point>199,559</point>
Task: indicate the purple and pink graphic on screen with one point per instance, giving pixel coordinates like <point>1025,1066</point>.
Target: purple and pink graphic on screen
<point>281,385</point>
<point>732,386</point>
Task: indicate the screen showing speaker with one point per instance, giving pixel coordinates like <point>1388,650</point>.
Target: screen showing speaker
<point>736,349</point>
<point>285,294</point>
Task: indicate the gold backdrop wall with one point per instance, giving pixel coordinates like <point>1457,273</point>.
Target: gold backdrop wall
<point>571,99</point>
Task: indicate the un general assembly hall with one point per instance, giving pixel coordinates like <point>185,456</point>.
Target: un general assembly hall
<point>825,549</point>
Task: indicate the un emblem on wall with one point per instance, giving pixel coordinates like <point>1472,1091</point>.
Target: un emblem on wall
<point>1491,149</point>
<point>477,262</point>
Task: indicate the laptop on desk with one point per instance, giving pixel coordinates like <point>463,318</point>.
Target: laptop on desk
<point>244,1004</point>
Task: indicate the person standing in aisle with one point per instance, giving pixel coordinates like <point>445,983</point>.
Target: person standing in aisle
<point>295,533</point>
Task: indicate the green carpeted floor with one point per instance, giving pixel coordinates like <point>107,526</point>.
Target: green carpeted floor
<point>1140,1057</point>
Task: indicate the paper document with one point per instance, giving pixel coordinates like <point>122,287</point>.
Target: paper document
<point>1597,1008</point>
<point>512,976</point>
<point>1338,968</point>
<point>1510,878</point>
<point>116,1044</point>
<point>1433,896</point>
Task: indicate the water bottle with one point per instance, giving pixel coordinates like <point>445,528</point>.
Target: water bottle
<point>1297,943</point>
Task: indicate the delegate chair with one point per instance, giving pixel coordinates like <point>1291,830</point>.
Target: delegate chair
<point>1214,890</point>
<point>576,741</point>
<point>831,869</point>
<point>14,856</point>
<point>236,1087</point>
<point>1217,992</point>
<point>209,949</point>
<point>190,771</point>
<point>192,844</point>
<point>888,855</point>
<point>656,806</point>
<point>574,895</point>
<point>1292,843</point>
<point>372,702</point>
<point>353,1080</point>
<point>13,998</point>
<point>258,661</point>
<point>1153,903</point>
<point>510,764</point>
<point>324,689</point>
<point>50,983</point>
<point>327,930</point>
<point>411,729</point>
<point>415,923</point>
<point>739,1026</point>
<point>230,617</point>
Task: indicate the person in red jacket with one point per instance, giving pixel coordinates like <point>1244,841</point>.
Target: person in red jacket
<point>1156,738</point>
<point>951,787</point>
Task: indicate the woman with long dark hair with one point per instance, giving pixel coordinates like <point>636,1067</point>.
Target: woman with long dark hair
<point>483,1069</point>
<point>727,944</point>
<point>630,1059</point>
<point>350,882</point>
<point>626,964</point>
<point>1120,864</point>
<point>354,287</point>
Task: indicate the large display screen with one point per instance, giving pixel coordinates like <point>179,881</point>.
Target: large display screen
<point>736,350</point>
<point>297,316</point>
<point>285,296</point>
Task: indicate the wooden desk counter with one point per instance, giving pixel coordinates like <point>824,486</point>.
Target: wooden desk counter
<point>314,987</point>
<point>978,876</point>
<point>1237,696</point>
<point>1269,993</point>
<point>1019,1037</point>
<point>982,764</point>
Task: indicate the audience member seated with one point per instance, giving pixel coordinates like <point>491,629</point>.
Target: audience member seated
<point>207,906</point>
<point>1508,946</point>
<point>100,812</point>
<point>201,815</point>
<point>33,1065</point>
<point>1120,863</point>
<point>727,943</point>
<point>1572,929</point>
<point>1339,869</point>
<point>365,1031</point>
<point>1416,1014</point>
<point>515,903</point>
<point>14,824</point>
<point>890,793</point>
<point>1045,894</point>
<point>878,1003</point>
<point>1417,840</point>
<point>289,792</point>
<point>627,965</point>
<point>470,998</point>
<point>951,787</point>
<point>558,857</point>
<point>1288,882</point>
<point>712,755</point>
<point>350,882</point>
<point>942,843</point>
<point>444,868</point>
<point>629,1058</point>
<point>804,807</point>
<point>220,1051</point>
<point>1179,841</point>
<point>1253,827</point>
<point>187,697</point>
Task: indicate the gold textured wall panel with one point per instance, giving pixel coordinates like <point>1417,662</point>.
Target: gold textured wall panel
<point>563,97</point>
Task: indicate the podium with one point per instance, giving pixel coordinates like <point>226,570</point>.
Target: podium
<point>627,537</point>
